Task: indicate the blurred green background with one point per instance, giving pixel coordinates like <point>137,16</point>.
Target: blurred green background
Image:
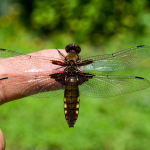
<point>99,27</point>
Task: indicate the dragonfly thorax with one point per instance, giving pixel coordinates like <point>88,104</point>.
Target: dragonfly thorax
<point>71,68</point>
<point>72,55</point>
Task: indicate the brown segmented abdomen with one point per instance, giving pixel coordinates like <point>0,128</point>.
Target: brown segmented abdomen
<point>71,100</point>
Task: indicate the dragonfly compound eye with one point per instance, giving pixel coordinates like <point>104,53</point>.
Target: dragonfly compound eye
<point>73,47</point>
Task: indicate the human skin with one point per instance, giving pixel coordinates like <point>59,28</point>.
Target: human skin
<point>2,141</point>
<point>8,72</point>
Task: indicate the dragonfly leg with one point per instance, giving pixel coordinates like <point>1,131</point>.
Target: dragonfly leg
<point>58,68</point>
<point>61,53</point>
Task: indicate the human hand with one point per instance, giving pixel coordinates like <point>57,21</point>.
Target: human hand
<point>7,72</point>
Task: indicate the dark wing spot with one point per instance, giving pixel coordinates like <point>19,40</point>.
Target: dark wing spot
<point>4,78</point>
<point>83,77</point>
<point>2,49</point>
<point>141,46</point>
<point>139,77</point>
<point>59,77</point>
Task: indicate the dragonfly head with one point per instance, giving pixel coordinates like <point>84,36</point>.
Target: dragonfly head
<point>74,47</point>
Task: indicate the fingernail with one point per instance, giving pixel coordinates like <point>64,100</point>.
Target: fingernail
<point>2,141</point>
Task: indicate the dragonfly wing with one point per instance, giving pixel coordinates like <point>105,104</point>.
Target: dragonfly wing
<point>119,60</point>
<point>27,63</point>
<point>4,53</point>
<point>112,85</point>
<point>36,85</point>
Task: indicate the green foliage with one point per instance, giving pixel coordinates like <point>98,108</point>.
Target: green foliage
<point>89,20</point>
<point>118,123</point>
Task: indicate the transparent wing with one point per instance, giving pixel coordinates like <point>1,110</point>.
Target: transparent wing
<point>4,53</point>
<point>112,85</point>
<point>26,63</point>
<point>119,60</point>
<point>36,85</point>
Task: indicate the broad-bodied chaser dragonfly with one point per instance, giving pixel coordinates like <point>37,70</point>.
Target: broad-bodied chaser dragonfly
<point>73,75</point>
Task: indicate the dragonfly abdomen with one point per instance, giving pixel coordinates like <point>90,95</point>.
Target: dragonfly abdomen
<point>71,100</point>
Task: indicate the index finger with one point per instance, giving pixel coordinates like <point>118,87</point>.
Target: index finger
<point>6,71</point>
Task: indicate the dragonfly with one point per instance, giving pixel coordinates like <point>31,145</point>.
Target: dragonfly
<point>73,75</point>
